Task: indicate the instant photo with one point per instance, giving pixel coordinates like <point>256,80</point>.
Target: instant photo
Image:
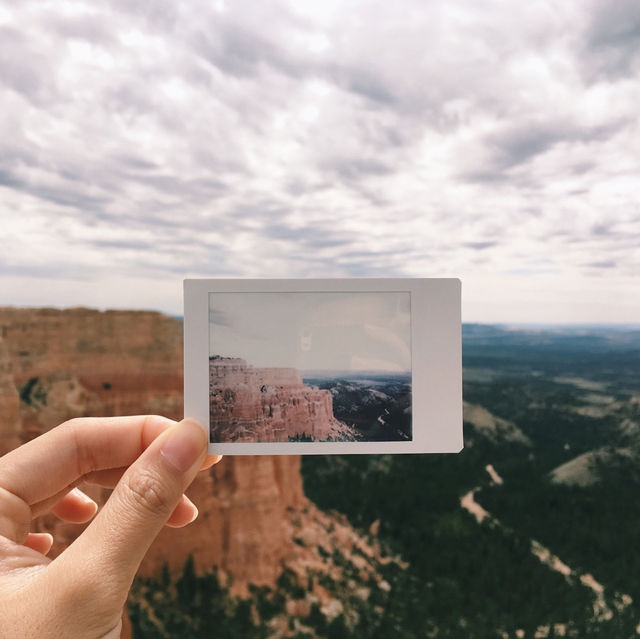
<point>319,366</point>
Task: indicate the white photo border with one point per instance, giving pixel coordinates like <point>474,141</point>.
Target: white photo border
<point>436,360</point>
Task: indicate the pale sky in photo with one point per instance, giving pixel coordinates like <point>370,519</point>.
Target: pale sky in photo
<point>498,142</point>
<point>313,331</point>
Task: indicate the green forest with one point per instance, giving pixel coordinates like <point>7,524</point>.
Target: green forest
<point>566,397</point>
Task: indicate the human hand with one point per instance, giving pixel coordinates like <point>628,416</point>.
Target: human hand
<point>148,460</point>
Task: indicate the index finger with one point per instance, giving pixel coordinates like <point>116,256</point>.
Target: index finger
<point>48,464</point>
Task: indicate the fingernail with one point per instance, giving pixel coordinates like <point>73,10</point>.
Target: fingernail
<point>83,497</point>
<point>210,460</point>
<point>184,445</point>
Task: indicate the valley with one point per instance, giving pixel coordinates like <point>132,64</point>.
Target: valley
<point>552,453</point>
<point>375,406</point>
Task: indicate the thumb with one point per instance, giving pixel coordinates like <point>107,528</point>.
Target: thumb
<point>112,547</point>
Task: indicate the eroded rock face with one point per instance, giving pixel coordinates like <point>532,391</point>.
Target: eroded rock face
<point>243,505</point>
<point>266,404</point>
<point>82,362</point>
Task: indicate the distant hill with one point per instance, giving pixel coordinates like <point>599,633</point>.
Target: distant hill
<point>556,338</point>
<point>583,470</point>
<point>494,428</point>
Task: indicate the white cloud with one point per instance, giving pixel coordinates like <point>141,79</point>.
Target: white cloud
<point>494,142</point>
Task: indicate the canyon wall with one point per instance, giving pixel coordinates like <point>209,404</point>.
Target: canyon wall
<point>83,362</point>
<point>55,365</point>
<point>250,404</point>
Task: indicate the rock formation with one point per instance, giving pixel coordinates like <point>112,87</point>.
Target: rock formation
<point>267,405</point>
<point>243,505</point>
<point>81,362</point>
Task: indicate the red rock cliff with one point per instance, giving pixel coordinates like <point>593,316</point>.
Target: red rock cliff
<point>81,362</point>
<point>266,404</point>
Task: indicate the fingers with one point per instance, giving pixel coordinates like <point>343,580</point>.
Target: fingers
<point>78,508</point>
<point>210,460</point>
<point>109,478</point>
<point>50,463</point>
<point>184,513</point>
<point>75,507</point>
<point>40,542</point>
<point>36,477</point>
<point>143,501</point>
<point>15,517</point>
<point>41,471</point>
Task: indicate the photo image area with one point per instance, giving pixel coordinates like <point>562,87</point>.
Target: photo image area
<point>310,367</point>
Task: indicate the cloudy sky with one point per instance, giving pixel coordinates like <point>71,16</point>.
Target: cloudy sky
<point>498,142</point>
<point>313,331</point>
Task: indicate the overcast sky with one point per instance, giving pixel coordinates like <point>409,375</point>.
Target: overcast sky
<point>498,142</point>
<point>313,331</point>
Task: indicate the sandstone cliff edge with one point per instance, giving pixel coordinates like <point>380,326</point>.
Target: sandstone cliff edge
<point>268,405</point>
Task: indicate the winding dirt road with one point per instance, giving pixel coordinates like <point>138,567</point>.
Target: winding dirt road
<point>601,609</point>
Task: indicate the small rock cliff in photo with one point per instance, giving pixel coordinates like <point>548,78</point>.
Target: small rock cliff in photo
<point>268,405</point>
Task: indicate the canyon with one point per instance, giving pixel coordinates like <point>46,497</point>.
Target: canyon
<point>250,404</point>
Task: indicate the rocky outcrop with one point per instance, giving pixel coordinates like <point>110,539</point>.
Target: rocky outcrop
<point>81,362</point>
<point>250,404</point>
<point>244,507</point>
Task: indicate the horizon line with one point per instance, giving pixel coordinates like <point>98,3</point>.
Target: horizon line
<point>179,316</point>
<point>317,370</point>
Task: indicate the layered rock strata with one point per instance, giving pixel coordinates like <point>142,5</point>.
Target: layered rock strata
<point>85,362</point>
<point>266,404</point>
<point>244,506</point>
